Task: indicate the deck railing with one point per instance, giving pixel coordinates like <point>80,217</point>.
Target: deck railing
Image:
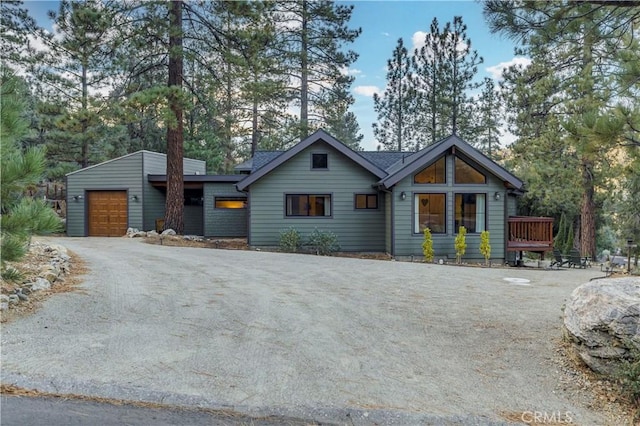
<point>530,234</point>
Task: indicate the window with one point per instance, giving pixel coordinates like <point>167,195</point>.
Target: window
<point>319,161</point>
<point>465,173</point>
<point>308,205</point>
<point>470,212</point>
<point>230,203</point>
<point>366,201</point>
<point>430,212</point>
<point>435,173</point>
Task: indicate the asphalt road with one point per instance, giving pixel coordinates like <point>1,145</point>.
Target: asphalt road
<point>320,338</point>
<point>49,411</point>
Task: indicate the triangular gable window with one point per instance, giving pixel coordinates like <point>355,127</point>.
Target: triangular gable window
<point>465,173</point>
<point>435,173</point>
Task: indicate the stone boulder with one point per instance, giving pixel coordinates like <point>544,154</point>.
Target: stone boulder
<point>168,232</point>
<point>602,321</point>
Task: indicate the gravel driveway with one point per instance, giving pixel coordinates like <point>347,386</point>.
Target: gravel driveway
<point>323,338</point>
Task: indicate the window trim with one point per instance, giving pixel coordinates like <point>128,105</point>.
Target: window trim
<point>486,206</point>
<point>308,194</point>
<point>367,194</point>
<point>442,157</point>
<point>229,198</point>
<point>473,166</point>
<point>413,212</point>
<point>326,154</point>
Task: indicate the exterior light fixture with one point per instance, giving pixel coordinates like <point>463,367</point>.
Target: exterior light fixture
<point>403,195</point>
<point>134,197</point>
<point>77,197</point>
<point>497,196</point>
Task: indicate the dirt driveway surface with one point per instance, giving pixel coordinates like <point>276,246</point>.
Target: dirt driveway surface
<point>323,338</point>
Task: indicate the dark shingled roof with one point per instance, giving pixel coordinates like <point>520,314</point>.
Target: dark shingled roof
<point>384,159</point>
<point>260,158</point>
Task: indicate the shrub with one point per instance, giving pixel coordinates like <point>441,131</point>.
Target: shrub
<point>485,246</point>
<point>427,245</point>
<point>323,242</point>
<point>290,240</point>
<point>460,243</point>
<point>629,377</point>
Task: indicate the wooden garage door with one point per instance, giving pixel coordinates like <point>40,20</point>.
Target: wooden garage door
<point>107,213</point>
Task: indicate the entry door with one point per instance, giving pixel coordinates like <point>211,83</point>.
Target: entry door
<point>107,213</point>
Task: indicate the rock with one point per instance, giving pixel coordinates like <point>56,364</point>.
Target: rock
<point>168,232</point>
<point>22,296</point>
<point>40,284</point>
<point>152,234</point>
<point>602,320</point>
<point>13,299</point>
<point>4,306</point>
<point>25,290</point>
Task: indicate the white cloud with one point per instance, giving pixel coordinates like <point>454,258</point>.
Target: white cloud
<point>496,70</point>
<point>418,39</point>
<point>366,90</point>
<point>386,34</point>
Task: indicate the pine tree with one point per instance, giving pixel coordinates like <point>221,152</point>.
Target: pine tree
<point>428,81</point>
<point>488,115</point>
<point>574,48</point>
<point>396,107</point>
<point>312,46</point>
<point>21,216</point>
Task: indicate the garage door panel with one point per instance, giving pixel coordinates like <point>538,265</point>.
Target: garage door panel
<point>107,213</point>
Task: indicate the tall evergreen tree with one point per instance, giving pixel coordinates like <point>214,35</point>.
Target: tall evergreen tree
<point>574,48</point>
<point>313,35</point>
<point>76,71</point>
<point>488,113</point>
<point>174,211</point>
<point>396,107</point>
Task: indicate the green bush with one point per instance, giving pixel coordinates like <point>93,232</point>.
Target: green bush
<point>427,245</point>
<point>629,377</point>
<point>290,240</point>
<point>323,242</point>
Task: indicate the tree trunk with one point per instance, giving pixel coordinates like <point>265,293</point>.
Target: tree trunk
<point>304,74</point>
<point>254,126</point>
<point>587,211</point>
<point>174,215</point>
<point>84,155</point>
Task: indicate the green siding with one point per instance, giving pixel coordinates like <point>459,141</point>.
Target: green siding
<point>223,222</point>
<point>409,244</point>
<point>357,230</point>
<point>388,235</point>
<point>126,173</point>
<point>120,174</point>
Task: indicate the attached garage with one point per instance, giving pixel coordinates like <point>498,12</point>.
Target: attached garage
<point>107,213</point>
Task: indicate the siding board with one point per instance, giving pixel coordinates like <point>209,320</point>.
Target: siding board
<point>357,230</point>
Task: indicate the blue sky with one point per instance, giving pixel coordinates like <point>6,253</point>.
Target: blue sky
<point>383,22</point>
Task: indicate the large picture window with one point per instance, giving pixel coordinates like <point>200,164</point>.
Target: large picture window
<point>308,205</point>
<point>470,212</point>
<point>435,173</point>
<point>430,212</point>
<point>465,173</point>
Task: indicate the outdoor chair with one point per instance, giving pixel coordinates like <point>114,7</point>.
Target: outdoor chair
<point>558,259</point>
<point>576,260</point>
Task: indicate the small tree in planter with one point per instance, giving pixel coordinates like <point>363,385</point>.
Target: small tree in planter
<point>427,245</point>
<point>485,246</point>
<point>460,243</point>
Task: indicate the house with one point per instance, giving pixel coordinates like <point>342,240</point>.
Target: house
<point>130,191</point>
<point>372,201</point>
<point>381,201</point>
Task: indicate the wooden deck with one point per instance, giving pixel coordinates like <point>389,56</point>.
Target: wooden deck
<point>528,233</point>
